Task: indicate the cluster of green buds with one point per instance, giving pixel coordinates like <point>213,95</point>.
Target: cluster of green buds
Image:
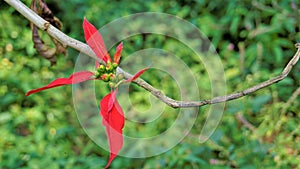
<point>108,74</point>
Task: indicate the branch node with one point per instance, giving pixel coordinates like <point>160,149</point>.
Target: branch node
<point>45,26</point>
<point>157,92</point>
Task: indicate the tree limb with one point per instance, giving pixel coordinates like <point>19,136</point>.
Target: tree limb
<point>82,47</point>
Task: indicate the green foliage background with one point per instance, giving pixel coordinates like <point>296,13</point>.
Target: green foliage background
<point>42,131</point>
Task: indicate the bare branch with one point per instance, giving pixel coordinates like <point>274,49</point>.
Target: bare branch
<point>82,47</point>
<point>176,104</point>
<point>239,116</point>
<point>293,97</point>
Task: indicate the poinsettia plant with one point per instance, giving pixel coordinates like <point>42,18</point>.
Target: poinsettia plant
<point>110,109</point>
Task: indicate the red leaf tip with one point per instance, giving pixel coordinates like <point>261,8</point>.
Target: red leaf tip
<point>113,120</point>
<point>76,77</point>
<point>138,74</point>
<point>117,55</point>
<point>95,41</point>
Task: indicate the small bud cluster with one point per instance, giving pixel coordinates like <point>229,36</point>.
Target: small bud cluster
<point>108,74</point>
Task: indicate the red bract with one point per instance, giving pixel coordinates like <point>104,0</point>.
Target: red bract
<point>138,74</point>
<point>113,120</point>
<point>117,55</point>
<point>110,110</point>
<point>76,77</point>
<point>94,39</point>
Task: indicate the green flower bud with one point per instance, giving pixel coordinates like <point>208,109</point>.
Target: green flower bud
<point>112,85</point>
<point>109,68</point>
<point>105,77</point>
<point>113,78</point>
<point>111,75</point>
<point>115,65</point>
<point>101,69</point>
<point>120,77</point>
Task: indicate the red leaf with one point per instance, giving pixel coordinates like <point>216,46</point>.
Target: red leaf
<point>95,41</point>
<point>117,55</point>
<point>113,99</point>
<point>76,77</point>
<point>138,74</point>
<point>113,120</point>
